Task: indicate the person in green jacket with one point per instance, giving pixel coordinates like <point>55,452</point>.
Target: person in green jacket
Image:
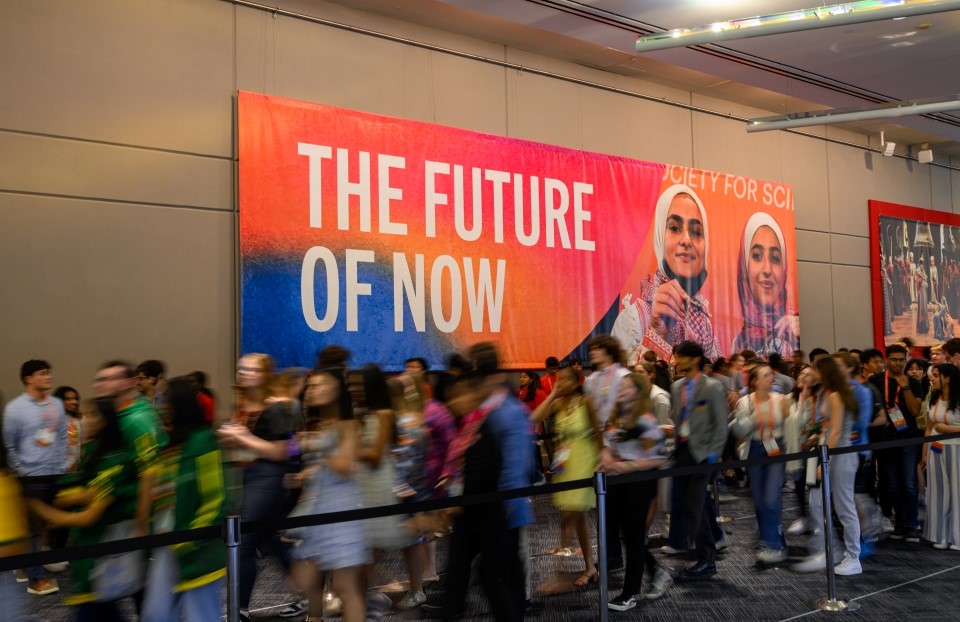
<point>185,580</point>
<point>98,502</point>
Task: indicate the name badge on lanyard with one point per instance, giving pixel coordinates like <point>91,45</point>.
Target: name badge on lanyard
<point>766,436</point>
<point>770,444</point>
<point>897,418</point>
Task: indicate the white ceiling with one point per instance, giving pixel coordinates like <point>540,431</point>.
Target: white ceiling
<point>845,66</point>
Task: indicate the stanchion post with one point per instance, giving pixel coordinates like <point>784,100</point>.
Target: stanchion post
<point>600,487</point>
<point>830,603</point>
<point>231,537</point>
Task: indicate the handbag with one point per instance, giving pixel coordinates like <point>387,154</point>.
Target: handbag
<point>117,576</point>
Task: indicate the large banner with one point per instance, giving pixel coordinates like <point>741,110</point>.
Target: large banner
<point>399,238</point>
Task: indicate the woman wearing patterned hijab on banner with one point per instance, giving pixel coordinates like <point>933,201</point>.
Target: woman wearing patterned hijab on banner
<point>762,284</point>
<point>670,308</point>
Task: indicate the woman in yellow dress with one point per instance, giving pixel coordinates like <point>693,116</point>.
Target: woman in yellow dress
<point>576,456</point>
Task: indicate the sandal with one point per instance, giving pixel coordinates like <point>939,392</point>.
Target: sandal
<point>587,578</point>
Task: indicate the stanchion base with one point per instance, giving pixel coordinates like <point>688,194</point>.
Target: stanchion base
<point>724,519</point>
<point>836,606</point>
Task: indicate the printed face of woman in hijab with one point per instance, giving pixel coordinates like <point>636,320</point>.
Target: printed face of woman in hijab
<point>683,241</point>
<point>765,267</point>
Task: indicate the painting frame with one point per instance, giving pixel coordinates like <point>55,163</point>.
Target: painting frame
<point>881,214</point>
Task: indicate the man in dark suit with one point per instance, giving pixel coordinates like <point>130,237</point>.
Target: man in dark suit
<point>700,415</point>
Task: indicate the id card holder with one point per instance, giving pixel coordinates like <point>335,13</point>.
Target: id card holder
<point>897,419</point>
<point>770,444</point>
<point>44,437</point>
<point>684,433</point>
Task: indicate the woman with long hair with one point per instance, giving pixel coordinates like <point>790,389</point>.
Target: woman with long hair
<point>185,580</point>
<point>838,410</point>
<point>762,277</point>
<point>803,400</point>
<point>71,405</point>
<point>942,526</point>
<point>258,433</point>
<point>760,417</point>
<point>530,392</point>
<point>329,449</point>
<point>98,502</point>
<point>576,457</point>
<point>633,441</point>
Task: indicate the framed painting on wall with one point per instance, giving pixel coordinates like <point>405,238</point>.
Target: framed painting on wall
<point>915,274</point>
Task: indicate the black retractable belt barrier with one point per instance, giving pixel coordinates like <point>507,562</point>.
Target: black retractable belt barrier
<point>233,527</point>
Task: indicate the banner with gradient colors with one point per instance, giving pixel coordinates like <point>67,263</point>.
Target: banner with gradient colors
<point>399,238</point>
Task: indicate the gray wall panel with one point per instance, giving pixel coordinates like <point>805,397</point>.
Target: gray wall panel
<point>85,281</point>
<point>153,74</point>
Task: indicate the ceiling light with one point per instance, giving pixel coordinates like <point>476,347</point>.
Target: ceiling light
<point>846,115</point>
<point>793,21</point>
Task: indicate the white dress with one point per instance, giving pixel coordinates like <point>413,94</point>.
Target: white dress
<point>943,482</point>
<point>376,489</point>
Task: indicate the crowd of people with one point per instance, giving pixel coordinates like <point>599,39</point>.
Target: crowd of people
<point>147,455</point>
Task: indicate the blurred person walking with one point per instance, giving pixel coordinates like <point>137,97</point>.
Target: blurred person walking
<point>184,581</point>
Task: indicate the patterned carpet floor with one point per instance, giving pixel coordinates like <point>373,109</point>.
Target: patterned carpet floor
<point>902,581</point>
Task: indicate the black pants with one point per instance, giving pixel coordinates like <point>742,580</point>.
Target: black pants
<point>627,507</point>
<point>43,488</point>
<point>693,489</point>
<point>482,531</point>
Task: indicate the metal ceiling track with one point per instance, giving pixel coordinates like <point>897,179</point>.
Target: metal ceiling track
<point>848,115</point>
<point>844,14</point>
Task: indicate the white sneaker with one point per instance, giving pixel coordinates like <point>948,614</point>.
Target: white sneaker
<point>954,547</point>
<point>798,527</point>
<point>814,563</point>
<point>772,556</point>
<point>661,583</point>
<point>411,600</point>
<point>942,546</point>
<point>887,525</point>
<point>848,567</point>
<point>666,549</point>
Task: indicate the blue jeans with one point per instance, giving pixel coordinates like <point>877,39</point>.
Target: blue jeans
<point>900,473</point>
<point>263,500</point>
<point>11,595</point>
<point>161,604</point>
<point>43,488</point>
<point>766,484</point>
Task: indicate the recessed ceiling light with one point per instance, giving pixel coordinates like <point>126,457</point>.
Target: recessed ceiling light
<point>897,19</point>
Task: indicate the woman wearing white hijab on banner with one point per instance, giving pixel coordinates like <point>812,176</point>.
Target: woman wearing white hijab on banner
<point>768,327</point>
<point>670,307</point>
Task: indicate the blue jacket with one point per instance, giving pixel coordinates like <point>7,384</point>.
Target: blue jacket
<point>509,424</point>
<point>861,426</point>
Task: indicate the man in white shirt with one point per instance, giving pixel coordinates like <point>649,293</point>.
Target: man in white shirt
<point>35,439</point>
